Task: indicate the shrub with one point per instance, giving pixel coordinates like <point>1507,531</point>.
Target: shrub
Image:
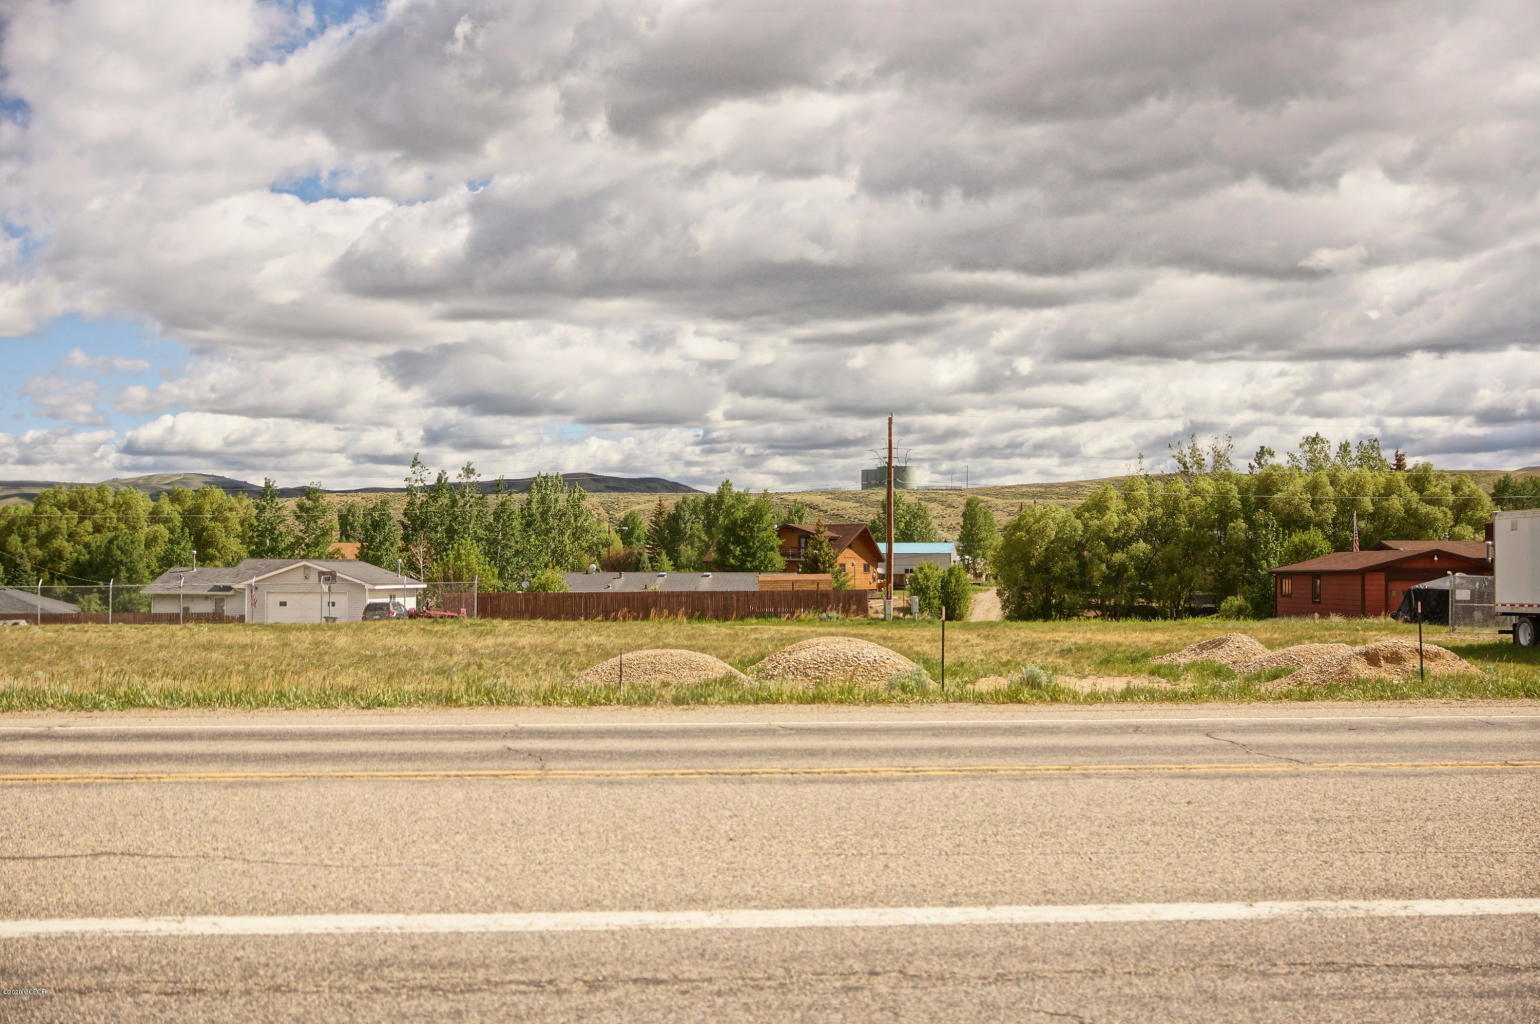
<point>911,682</point>
<point>1032,676</point>
<point>925,584</point>
<point>1235,607</point>
<point>548,581</point>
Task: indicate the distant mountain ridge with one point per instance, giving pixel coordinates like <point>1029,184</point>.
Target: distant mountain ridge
<point>13,491</point>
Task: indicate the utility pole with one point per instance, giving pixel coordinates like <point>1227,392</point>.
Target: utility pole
<point>887,576</point>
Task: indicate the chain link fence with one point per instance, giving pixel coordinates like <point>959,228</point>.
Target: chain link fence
<point>1472,604</point>
<point>52,604</point>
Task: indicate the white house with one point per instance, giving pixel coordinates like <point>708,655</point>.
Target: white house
<point>282,589</point>
<point>906,556</point>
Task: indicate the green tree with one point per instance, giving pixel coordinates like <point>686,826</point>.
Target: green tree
<point>464,562</point>
<point>956,592</point>
<point>1512,492</point>
<point>547,581</point>
<point>501,537</point>
<point>1303,546</point>
<point>315,524</point>
<point>633,529</point>
<point>556,529</point>
<point>351,516</point>
<point>979,536</point>
<point>684,541</point>
<point>924,583</point>
<point>911,522</point>
<point>1038,565</point>
<point>746,539</point>
<point>378,536</point>
<point>177,551</point>
<point>269,533</point>
<point>819,555</point>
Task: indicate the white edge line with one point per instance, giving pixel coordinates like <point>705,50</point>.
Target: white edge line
<point>875,724</point>
<point>707,920</point>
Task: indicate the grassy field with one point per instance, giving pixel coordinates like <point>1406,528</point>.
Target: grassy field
<point>480,663</point>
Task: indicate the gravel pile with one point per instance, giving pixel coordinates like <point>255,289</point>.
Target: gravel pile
<point>1387,659</point>
<point>831,659</point>
<point>1298,656</point>
<point>1230,650</point>
<point>659,665</point>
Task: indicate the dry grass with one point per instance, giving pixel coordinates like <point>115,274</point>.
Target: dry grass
<point>465,663</point>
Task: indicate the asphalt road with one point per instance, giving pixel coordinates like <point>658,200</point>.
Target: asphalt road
<point>330,832</point>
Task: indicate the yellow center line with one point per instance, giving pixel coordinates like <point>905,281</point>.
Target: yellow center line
<point>521,774</point>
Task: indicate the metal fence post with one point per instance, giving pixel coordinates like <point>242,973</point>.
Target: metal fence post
<point>40,600</point>
<point>475,595</point>
<point>109,600</point>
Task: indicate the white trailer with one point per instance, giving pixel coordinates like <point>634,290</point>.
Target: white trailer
<point>1516,564</point>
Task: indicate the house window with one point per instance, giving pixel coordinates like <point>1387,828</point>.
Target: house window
<point>332,604</point>
<point>1315,590</point>
<point>1285,586</point>
<point>866,567</point>
<point>283,604</point>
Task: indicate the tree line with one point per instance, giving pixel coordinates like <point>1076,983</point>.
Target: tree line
<point>446,528</point>
<point>1152,545</point>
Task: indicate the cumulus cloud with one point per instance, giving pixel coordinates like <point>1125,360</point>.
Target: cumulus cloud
<point>66,398</point>
<point>104,365</point>
<point>697,240</point>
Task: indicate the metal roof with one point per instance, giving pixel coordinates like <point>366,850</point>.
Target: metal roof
<point>917,548</point>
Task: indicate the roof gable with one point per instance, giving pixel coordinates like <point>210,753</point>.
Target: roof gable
<point>1360,561</point>
<point>841,535</point>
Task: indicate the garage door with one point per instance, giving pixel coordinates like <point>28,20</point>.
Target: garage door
<point>293,607</point>
<point>338,609</point>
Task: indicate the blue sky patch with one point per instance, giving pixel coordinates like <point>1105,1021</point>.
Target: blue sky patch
<point>41,352</point>
<point>328,14</point>
<point>16,109</point>
<point>313,188</point>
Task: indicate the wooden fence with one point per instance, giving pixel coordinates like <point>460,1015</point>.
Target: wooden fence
<point>731,604</point>
<point>120,618</point>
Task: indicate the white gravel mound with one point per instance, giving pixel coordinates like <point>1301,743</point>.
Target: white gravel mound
<point>662,665</point>
<point>1296,657</point>
<point>1386,659</point>
<point>1230,650</point>
<point>832,659</point>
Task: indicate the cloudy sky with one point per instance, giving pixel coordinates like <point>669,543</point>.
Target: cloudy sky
<point>697,240</point>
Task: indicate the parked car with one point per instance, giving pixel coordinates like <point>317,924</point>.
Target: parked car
<point>386,610</point>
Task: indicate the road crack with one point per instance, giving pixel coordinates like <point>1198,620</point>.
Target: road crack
<point>532,755</point>
<point>1253,751</point>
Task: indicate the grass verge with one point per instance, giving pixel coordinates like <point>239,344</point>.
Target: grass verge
<point>486,663</point>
